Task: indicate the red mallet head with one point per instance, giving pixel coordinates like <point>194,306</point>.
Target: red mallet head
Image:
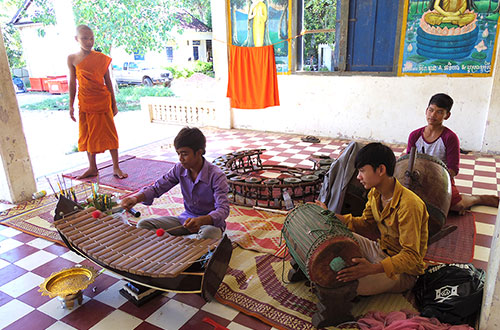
<point>160,232</point>
<point>96,214</point>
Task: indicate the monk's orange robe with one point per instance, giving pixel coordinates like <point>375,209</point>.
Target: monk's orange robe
<point>96,124</point>
<point>253,82</point>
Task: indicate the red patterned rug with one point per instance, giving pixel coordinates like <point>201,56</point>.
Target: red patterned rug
<point>254,284</point>
<point>36,217</point>
<point>141,172</point>
<point>458,246</point>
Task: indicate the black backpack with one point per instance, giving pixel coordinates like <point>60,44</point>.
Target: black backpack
<point>451,293</point>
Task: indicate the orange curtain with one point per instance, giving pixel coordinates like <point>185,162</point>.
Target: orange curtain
<point>253,82</point>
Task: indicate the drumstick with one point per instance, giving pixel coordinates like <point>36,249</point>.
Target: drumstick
<point>174,228</point>
<point>270,210</point>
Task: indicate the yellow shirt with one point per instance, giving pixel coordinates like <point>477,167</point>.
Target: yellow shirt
<point>403,229</point>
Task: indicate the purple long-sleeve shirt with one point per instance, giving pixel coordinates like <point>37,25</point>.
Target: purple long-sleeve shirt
<point>207,195</point>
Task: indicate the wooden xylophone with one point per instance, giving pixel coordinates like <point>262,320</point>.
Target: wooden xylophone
<point>141,256</point>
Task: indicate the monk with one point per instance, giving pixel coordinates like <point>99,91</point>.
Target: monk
<point>96,102</point>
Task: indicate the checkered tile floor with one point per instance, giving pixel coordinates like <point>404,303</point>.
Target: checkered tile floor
<point>25,261</point>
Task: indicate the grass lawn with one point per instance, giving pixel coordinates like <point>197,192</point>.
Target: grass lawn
<point>127,99</point>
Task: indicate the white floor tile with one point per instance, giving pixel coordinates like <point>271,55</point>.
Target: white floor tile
<point>12,311</point>
<point>60,326</point>
<point>481,191</point>
<point>118,320</point>
<point>237,326</point>
<point>9,232</point>
<point>22,284</point>
<point>278,159</point>
<point>111,296</point>
<point>485,159</point>
<point>287,164</point>
<point>72,256</point>
<point>466,171</point>
<point>485,168</point>
<point>481,253</point>
<point>9,244</point>
<point>300,156</point>
<point>3,263</point>
<point>54,309</point>
<point>35,260</point>
<point>484,228</point>
<point>485,209</point>
<point>172,315</point>
<point>40,243</point>
<point>312,149</point>
<point>218,309</point>
<point>485,179</point>
<point>463,183</point>
<point>467,161</point>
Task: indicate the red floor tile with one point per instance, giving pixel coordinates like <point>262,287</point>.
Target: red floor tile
<point>32,321</point>
<point>18,253</point>
<point>4,298</point>
<point>194,300</point>
<point>10,272</point>
<point>483,240</point>
<point>53,266</point>
<point>87,315</point>
<point>23,237</point>
<point>485,218</point>
<point>147,326</point>
<point>101,283</point>
<point>145,310</point>
<point>196,321</point>
<point>34,298</point>
<point>56,249</point>
<point>251,322</point>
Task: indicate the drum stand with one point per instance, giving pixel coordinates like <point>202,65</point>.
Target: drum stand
<point>335,304</point>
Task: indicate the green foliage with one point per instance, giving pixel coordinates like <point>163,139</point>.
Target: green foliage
<point>318,14</point>
<point>417,58</point>
<point>204,67</point>
<point>180,72</point>
<point>13,46</point>
<point>478,56</point>
<point>444,62</point>
<point>128,99</point>
<point>138,25</point>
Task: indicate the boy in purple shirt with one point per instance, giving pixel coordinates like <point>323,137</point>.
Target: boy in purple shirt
<point>439,141</point>
<point>204,189</point>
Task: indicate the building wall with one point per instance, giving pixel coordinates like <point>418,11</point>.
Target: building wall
<point>367,107</point>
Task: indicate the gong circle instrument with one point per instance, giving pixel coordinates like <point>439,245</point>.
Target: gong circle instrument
<point>428,177</point>
<point>319,243</point>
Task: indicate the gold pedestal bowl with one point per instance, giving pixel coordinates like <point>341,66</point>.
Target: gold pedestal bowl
<point>67,284</point>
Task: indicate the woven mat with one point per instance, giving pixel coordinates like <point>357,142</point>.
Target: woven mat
<point>458,246</point>
<point>35,217</point>
<point>253,285</point>
<point>141,172</point>
<point>250,229</point>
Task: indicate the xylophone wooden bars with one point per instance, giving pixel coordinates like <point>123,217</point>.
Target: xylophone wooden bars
<point>109,241</point>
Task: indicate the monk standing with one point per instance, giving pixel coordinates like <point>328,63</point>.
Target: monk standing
<point>96,102</point>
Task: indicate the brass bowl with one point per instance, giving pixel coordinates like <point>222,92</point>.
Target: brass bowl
<point>68,281</point>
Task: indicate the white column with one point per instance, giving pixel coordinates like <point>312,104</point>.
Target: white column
<point>18,182</point>
<point>220,35</point>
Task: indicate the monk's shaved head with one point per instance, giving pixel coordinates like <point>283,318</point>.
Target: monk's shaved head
<point>82,28</point>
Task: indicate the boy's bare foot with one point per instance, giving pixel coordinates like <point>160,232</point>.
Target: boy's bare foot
<point>120,174</point>
<point>88,173</point>
<point>489,200</point>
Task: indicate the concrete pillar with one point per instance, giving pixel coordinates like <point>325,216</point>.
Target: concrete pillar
<point>490,310</point>
<point>490,139</point>
<point>18,182</point>
<point>220,49</point>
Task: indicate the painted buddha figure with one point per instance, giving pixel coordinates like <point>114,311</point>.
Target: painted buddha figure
<point>258,12</point>
<point>450,11</point>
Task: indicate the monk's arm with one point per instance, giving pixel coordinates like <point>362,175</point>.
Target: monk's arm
<point>72,87</point>
<point>109,86</point>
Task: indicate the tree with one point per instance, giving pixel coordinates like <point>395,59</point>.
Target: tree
<point>318,14</point>
<point>138,25</point>
<point>201,9</point>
